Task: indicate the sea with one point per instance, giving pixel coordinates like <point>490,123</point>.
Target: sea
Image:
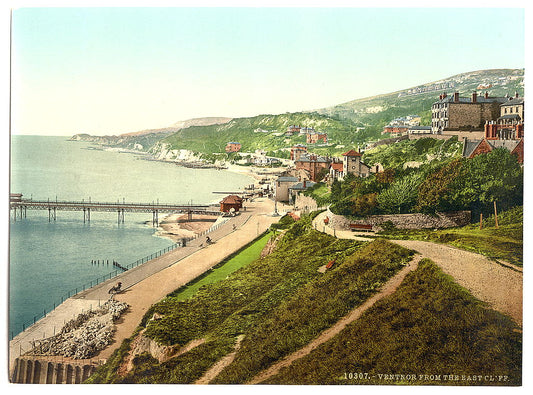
<point>51,259</point>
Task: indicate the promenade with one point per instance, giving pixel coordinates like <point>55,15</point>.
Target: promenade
<point>152,281</point>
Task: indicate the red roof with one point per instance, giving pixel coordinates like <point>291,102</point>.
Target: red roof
<point>337,167</point>
<point>352,153</point>
<point>232,199</point>
<point>293,216</point>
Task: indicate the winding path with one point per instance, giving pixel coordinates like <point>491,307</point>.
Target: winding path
<point>499,285</point>
<point>388,289</point>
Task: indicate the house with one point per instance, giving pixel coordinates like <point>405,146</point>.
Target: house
<point>315,165</point>
<point>352,164</point>
<point>464,113</point>
<point>281,187</point>
<point>233,146</point>
<point>297,151</point>
<point>231,202</point>
<point>314,137</point>
<point>292,129</point>
<point>510,124</point>
<point>395,130</point>
<point>472,148</point>
<point>335,171</point>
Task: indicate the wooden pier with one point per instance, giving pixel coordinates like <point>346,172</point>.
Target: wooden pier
<point>20,206</point>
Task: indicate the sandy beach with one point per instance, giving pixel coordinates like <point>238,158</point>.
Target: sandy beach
<point>178,226</point>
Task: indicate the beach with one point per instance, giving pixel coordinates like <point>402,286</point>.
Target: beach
<point>177,226</point>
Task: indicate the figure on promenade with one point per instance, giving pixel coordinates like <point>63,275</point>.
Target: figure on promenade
<point>115,290</point>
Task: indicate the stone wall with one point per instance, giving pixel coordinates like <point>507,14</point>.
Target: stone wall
<point>404,221</point>
<point>305,203</point>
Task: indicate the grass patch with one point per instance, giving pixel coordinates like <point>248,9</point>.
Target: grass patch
<point>430,326</point>
<point>502,243</point>
<point>220,272</point>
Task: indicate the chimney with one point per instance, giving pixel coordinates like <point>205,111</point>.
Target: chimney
<point>474,97</point>
<point>486,94</point>
<point>456,97</point>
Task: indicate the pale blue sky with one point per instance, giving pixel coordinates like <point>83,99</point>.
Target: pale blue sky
<point>116,70</point>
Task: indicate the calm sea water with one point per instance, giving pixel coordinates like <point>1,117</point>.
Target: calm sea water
<point>48,259</point>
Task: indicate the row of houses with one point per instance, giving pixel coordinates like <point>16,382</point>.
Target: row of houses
<point>483,122</point>
<point>311,168</point>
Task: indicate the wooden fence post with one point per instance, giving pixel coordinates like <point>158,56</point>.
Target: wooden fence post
<point>495,214</point>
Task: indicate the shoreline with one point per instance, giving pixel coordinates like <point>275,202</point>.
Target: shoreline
<point>176,227</point>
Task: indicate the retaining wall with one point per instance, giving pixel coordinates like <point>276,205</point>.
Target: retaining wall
<point>404,221</point>
<point>36,371</point>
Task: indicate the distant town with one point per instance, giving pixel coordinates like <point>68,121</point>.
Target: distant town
<point>481,122</point>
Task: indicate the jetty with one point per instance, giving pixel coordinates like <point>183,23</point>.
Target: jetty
<point>20,206</point>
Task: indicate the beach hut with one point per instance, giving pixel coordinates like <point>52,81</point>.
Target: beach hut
<point>231,202</point>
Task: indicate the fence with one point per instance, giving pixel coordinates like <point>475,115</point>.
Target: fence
<point>114,273</point>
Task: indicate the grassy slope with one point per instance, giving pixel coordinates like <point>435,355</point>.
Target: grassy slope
<point>214,138</point>
<point>244,257</point>
<point>429,326</point>
<point>263,300</point>
<point>230,306</point>
<point>504,243</point>
<point>315,307</point>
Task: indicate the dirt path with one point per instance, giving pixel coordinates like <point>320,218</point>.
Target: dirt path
<point>486,280</point>
<point>221,364</point>
<point>388,289</point>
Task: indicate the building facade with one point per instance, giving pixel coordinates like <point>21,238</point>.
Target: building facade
<point>297,151</point>
<point>281,188</point>
<point>315,137</point>
<point>315,165</point>
<point>462,113</point>
<point>352,164</point>
<point>233,146</point>
<point>510,124</point>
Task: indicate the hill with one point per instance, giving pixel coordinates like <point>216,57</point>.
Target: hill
<point>349,124</point>
<point>143,140</point>
<point>379,110</point>
<point>265,132</point>
<point>274,306</point>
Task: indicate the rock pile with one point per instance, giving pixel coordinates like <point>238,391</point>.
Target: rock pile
<point>84,336</point>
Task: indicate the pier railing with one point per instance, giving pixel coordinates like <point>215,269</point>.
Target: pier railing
<point>112,274</point>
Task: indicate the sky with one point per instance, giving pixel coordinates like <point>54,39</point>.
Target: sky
<point>117,70</point>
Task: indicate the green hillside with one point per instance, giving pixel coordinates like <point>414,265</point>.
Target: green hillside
<point>379,110</point>
<point>245,130</point>
<point>349,124</point>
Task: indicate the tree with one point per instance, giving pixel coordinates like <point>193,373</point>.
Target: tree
<point>365,204</point>
<point>496,176</point>
<point>401,196</point>
<point>434,188</point>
